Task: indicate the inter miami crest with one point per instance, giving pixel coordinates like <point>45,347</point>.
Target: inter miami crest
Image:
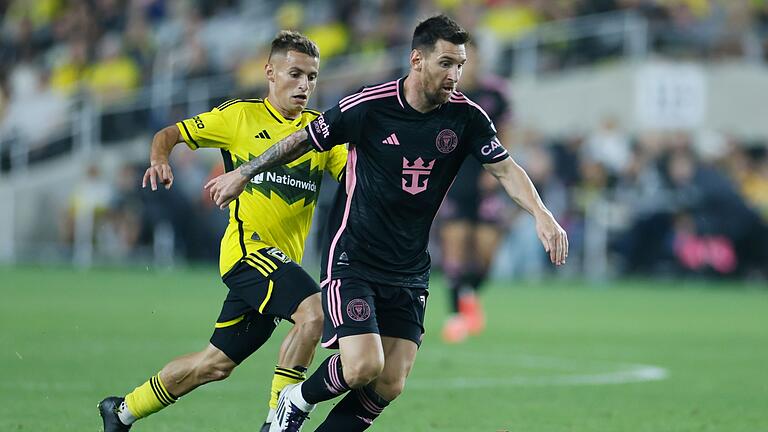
<point>358,310</point>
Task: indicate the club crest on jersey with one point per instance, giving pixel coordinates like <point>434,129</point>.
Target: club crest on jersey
<point>280,255</point>
<point>447,141</point>
<point>415,170</point>
<point>358,310</point>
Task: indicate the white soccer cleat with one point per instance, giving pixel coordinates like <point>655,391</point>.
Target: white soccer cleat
<point>292,410</point>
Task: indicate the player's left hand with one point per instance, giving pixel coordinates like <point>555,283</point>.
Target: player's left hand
<point>553,237</point>
<point>226,188</point>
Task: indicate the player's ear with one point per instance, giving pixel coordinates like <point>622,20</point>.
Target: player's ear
<point>416,60</point>
<point>269,72</point>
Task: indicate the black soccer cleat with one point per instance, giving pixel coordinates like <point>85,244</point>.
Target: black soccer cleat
<point>108,409</point>
<point>265,427</point>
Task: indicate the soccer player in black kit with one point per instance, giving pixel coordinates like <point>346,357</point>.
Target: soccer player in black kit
<point>407,140</point>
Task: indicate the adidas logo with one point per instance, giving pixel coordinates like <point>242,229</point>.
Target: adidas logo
<point>263,134</point>
<point>391,140</point>
<point>343,259</point>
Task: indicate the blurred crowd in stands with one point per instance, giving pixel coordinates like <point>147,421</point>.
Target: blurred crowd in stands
<point>679,202</point>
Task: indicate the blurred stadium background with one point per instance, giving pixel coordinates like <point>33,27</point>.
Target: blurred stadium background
<point>641,122</point>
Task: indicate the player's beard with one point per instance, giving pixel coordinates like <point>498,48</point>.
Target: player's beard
<point>437,96</point>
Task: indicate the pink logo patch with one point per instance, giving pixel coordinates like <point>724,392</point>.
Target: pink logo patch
<point>358,310</point>
<point>447,141</point>
<point>415,170</point>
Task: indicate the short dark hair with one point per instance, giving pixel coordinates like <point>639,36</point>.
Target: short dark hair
<point>288,40</point>
<point>429,31</point>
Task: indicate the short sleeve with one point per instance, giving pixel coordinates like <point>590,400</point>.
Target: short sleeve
<point>337,160</point>
<point>209,129</point>
<point>335,126</point>
<point>484,144</point>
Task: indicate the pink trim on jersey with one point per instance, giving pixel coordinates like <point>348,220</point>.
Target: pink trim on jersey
<point>367,92</point>
<point>365,95</point>
<point>367,98</point>
<point>312,134</point>
<point>400,101</point>
<point>459,97</point>
<point>330,342</point>
<point>350,187</point>
<point>504,153</point>
<point>366,89</point>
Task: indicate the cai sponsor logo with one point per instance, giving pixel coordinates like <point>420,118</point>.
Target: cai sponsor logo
<point>488,149</point>
<point>358,310</point>
<point>446,141</point>
<point>321,127</point>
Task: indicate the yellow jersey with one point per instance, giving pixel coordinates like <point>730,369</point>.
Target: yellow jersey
<point>276,208</point>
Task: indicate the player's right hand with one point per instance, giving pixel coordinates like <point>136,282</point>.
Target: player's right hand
<point>158,172</point>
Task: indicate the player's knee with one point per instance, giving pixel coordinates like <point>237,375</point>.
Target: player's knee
<point>390,388</point>
<point>359,374</point>
<point>309,318</point>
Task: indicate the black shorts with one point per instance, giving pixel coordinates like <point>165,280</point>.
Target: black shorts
<point>264,288</point>
<point>354,306</point>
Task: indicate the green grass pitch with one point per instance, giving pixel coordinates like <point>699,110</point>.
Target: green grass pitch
<point>557,356</point>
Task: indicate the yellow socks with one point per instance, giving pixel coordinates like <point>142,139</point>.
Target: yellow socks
<point>283,377</point>
<point>149,398</point>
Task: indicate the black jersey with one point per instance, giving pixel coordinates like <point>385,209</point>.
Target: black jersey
<point>491,94</point>
<point>401,163</point>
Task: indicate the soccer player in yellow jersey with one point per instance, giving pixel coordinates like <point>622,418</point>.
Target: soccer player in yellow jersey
<point>263,243</point>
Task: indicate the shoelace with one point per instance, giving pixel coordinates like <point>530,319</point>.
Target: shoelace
<point>296,418</point>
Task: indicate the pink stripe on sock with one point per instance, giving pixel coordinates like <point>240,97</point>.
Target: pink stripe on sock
<point>368,404</point>
<point>334,373</point>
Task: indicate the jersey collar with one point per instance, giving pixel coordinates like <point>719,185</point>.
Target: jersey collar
<point>407,107</point>
<point>279,117</point>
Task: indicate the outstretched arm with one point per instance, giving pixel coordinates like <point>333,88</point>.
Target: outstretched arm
<point>520,188</point>
<point>159,168</point>
<point>227,187</point>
